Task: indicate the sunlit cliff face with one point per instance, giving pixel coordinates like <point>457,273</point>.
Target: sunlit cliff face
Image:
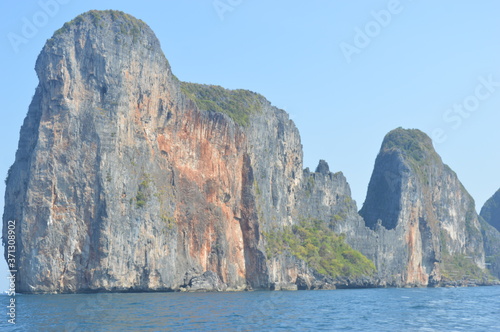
<point>126,179</point>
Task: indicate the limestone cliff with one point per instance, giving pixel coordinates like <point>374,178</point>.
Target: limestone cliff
<point>491,211</point>
<point>127,179</point>
<point>491,239</point>
<point>425,215</point>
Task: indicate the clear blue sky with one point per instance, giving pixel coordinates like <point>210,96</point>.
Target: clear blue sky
<point>345,78</point>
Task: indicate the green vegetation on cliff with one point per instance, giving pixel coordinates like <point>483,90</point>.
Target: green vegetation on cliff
<point>324,251</point>
<point>142,192</point>
<point>412,142</point>
<point>130,25</point>
<point>461,267</point>
<point>238,104</point>
<point>416,148</point>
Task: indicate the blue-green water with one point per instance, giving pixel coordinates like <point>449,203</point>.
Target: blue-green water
<point>421,309</point>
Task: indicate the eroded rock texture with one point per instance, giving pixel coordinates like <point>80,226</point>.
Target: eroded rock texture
<point>429,231</point>
<point>123,182</point>
<point>491,211</point>
<point>128,179</point>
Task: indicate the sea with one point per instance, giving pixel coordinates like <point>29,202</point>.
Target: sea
<point>382,309</point>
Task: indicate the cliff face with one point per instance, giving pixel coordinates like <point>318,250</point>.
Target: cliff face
<point>491,211</point>
<point>112,191</point>
<point>425,214</point>
<point>126,178</point>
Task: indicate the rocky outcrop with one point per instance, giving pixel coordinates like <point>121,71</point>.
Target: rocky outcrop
<point>491,211</point>
<point>490,214</point>
<point>426,218</point>
<point>207,282</point>
<point>127,179</point>
<point>491,248</point>
<point>120,181</point>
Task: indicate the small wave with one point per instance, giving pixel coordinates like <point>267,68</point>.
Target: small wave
<point>419,306</point>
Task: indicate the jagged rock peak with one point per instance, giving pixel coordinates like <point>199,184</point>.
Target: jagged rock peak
<point>491,210</point>
<point>108,20</point>
<point>323,167</point>
<point>403,152</point>
<point>429,213</point>
<point>99,36</point>
<point>412,144</point>
<point>119,25</point>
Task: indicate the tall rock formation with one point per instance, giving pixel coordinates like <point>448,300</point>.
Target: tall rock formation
<point>427,220</point>
<point>128,179</point>
<point>491,211</point>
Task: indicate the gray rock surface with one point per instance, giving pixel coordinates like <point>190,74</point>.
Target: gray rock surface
<point>491,211</point>
<point>491,248</point>
<point>207,282</point>
<point>127,179</point>
<point>431,231</point>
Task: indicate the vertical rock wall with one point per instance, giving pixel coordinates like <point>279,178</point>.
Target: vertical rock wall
<point>426,216</point>
<point>128,179</point>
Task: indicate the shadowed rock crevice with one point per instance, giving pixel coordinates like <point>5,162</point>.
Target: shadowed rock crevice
<point>383,203</point>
